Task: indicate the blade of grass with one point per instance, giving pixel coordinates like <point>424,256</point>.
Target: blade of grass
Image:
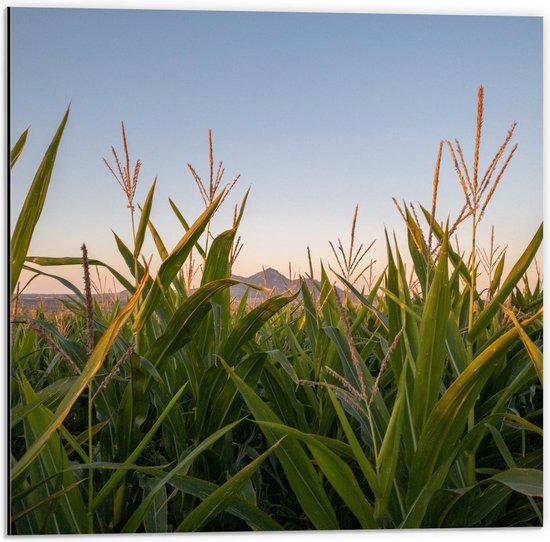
<point>431,354</point>
<point>534,352</point>
<point>336,470</point>
<point>18,148</point>
<point>238,507</point>
<point>247,327</point>
<point>218,500</point>
<point>118,475</point>
<point>144,219</point>
<point>32,207</point>
<point>136,518</point>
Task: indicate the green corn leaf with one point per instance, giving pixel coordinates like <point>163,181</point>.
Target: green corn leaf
<point>456,260</point>
<point>419,252</point>
<point>224,406</point>
<point>300,473</point>
<point>327,300</point>
<point>388,455</point>
<point>509,284</point>
<point>186,319</point>
<point>218,266</point>
<point>217,263</point>
<point>338,473</point>
<point>431,354</point>
<point>526,481</point>
<point>185,226</point>
<point>456,350</point>
<point>47,261</point>
<point>171,266</point>
<point>359,455</point>
<point>497,275</point>
<point>47,396</point>
<point>32,207</point>
<point>128,256</point>
<point>136,518</point>
<point>48,500</point>
<point>368,304</point>
<point>247,327</point>
<point>90,369</point>
<point>534,352</point>
<point>156,518</point>
<point>446,423</point>
<point>310,315</point>
<point>394,312</point>
<point>18,148</point>
<point>218,500</point>
<point>144,219</point>
<point>163,253</point>
<point>51,460</point>
<point>241,210</point>
<point>238,507</point>
<point>118,475</point>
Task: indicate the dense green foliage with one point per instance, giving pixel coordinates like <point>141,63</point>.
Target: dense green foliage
<point>415,404</point>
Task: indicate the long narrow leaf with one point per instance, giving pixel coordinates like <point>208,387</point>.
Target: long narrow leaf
<point>136,518</point>
<point>33,205</point>
<point>143,221</point>
<point>221,498</point>
<point>18,148</point>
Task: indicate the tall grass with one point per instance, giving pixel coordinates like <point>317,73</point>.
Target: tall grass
<point>413,404</point>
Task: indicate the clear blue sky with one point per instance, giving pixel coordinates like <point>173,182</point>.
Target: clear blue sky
<point>317,112</point>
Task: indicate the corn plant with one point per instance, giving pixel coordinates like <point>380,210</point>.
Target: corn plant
<point>414,403</point>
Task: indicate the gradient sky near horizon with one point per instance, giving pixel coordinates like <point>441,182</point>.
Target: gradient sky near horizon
<point>317,112</point>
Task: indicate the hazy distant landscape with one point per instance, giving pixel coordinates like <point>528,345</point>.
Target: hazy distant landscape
<point>275,283</point>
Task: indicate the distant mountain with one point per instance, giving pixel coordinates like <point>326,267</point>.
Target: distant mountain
<point>274,281</point>
<point>270,278</point>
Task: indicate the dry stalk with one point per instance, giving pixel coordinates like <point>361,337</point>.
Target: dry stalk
<point>89,302</point>
<point>348,385</point>
<point>339,392</point>
<point>116,368</point>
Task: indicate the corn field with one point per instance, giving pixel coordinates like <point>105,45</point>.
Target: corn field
<point>415,402</point>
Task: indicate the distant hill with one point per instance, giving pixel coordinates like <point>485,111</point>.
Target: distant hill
<point>275,282</point>
<point>271,279</point>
